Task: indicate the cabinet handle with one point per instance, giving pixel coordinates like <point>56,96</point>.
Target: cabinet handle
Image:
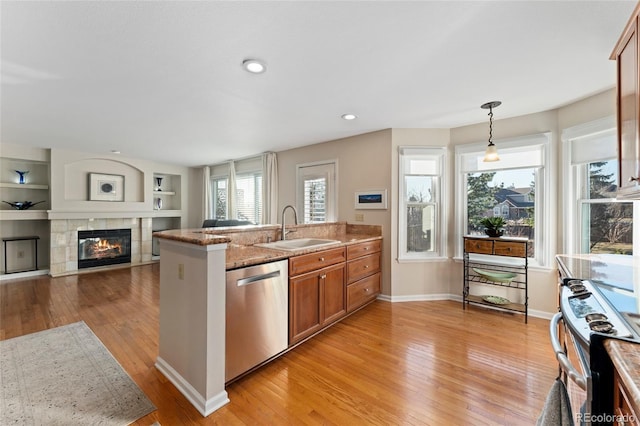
<point>477,246</point>
<point>323,276</point>
<point>366,290</point>
<point>634,179</point>
<point>366,266</point>
<point>508,248</point>
<point>366,248</point>
<point>321,259</point>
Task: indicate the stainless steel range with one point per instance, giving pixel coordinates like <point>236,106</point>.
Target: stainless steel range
<point>599,299</point>
<point>586,310</point>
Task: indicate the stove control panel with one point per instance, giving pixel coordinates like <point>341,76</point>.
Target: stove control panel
<point>586,311</point>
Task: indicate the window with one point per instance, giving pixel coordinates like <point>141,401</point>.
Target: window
<point>316,192</point>
<point>315,203</point>
<point>604,224</point>
<point>247,199</point>
<point>219,198</point>
<point>513,188</point>
<point>420,218</point>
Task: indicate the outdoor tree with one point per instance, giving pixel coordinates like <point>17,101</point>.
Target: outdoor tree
<point>610,222</point>
<point>480,196</point>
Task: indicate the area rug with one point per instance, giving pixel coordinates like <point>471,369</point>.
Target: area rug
<point>66,376</point>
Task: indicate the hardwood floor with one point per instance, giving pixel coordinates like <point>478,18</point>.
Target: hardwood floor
<point>411,363</point>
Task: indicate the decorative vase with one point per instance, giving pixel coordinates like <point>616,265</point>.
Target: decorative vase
<point>158,203</point>
<point>158,184</point>
<point>22,175</point>
<point>494,233</point>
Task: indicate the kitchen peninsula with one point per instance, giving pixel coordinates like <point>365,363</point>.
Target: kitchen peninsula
<point>193,266</point>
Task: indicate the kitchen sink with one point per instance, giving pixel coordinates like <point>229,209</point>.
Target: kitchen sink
<point>298,244</point>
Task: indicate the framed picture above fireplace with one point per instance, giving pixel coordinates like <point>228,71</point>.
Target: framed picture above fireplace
<point>104,187</point>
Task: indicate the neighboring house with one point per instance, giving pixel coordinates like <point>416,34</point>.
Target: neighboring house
<point>513,203</point>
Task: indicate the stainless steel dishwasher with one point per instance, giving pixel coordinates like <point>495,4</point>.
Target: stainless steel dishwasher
<point>257,317</point>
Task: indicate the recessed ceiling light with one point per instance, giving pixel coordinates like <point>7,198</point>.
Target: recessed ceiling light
<point>349,116</point>
<point>254,66</point>
<point>115,151</point>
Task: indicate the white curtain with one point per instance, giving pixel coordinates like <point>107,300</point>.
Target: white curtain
<point>269,188</point>
<point>206,203</point>
<point>231,191</point>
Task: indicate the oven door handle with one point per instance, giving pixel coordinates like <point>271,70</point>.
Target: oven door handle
<point>561,356</point>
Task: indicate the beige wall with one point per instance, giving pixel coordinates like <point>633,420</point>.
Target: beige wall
<point>364,162</point>
<point>418,280</point>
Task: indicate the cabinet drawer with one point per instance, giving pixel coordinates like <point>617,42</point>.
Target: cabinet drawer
<point>478,246</point>
<point>504,248</point>
<point>360,268</point>
<point>362,249</point>
<point>362,291</point>
<point>312,261</point>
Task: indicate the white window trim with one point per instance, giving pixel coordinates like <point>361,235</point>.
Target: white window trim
<point>332,200</point>
<point>545,227</point>
<point>440,252</point>
<point>571,243</point>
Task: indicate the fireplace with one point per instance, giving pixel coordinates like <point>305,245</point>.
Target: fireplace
<point>103,247</point>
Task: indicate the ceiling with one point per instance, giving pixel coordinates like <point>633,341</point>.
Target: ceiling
<point>163,80</point>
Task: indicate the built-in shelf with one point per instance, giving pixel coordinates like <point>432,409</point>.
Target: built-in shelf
<point>24,215</point>
<point>164,192</point>
<point>23,185</point>
<point>167,213</point>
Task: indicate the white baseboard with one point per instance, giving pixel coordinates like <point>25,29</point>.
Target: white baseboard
<point>27,274</point>
<point>205,407</point>
<point>454,297</point>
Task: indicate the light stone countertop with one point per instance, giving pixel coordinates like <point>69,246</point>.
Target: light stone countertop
<point>240,255</point>
<point>242,252</point>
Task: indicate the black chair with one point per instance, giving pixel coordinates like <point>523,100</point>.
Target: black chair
<point>209,223</point>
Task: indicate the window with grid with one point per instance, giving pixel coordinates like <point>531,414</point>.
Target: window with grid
<point>604,224</point>
<point>420,219</point>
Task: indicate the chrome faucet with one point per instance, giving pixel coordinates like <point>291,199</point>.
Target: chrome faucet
<point>295,218</point>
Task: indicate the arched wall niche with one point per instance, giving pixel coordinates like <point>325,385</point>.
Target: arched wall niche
<point>76,178</point>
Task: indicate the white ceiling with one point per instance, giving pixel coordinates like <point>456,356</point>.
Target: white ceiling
<point>163,80</point>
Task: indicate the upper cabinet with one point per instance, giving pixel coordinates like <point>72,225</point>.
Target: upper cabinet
<point>628,107</point>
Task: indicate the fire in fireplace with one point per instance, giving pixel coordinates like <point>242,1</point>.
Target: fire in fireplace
<point>103,247</point>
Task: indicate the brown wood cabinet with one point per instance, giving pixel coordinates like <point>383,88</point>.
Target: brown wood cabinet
<point>326,285</point>
<point>626,54</point>
<point>317,294</point>
<point>363,273</point>
<point>625,411</point>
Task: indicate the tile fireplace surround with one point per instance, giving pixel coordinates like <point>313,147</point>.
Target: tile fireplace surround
<point>64,241</point>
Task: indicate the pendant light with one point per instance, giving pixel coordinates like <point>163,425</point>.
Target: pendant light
<point>491,154</point>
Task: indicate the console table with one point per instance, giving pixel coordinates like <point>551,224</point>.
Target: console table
<point>33,238</point>
<point>511,273</point>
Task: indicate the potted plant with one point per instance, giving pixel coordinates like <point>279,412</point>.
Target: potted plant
<point>493,225</point>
